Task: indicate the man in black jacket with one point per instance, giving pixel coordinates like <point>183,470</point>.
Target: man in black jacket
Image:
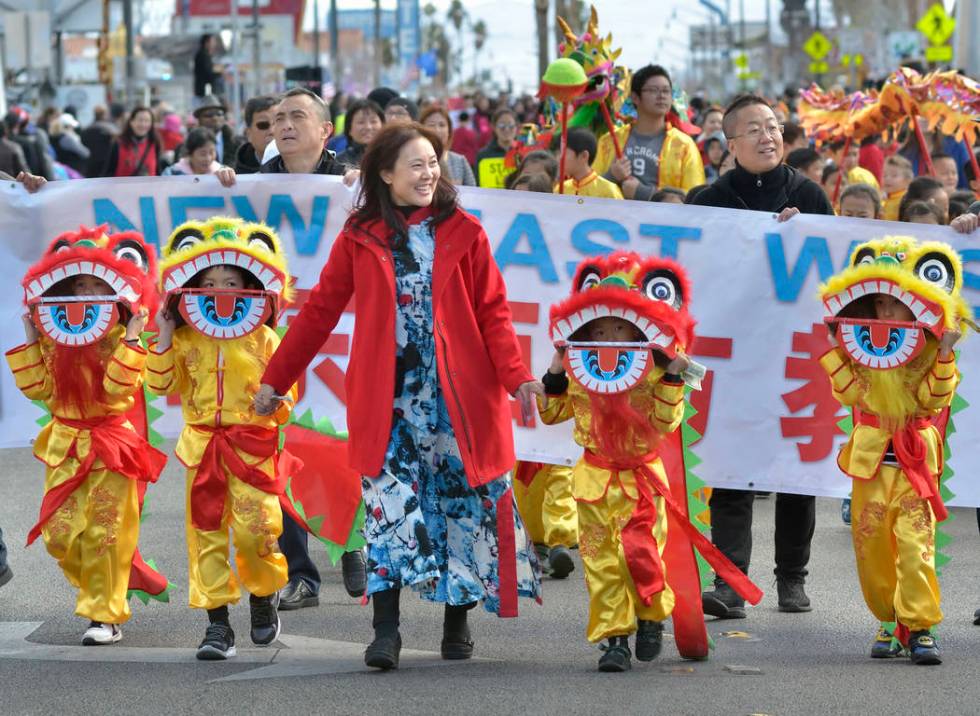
<point>301,127</point>
<point>211,114</point>
<point>761,182</point>
<point>258,134</point>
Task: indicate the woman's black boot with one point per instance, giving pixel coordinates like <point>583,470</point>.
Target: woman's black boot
<point>456,640</point>
<point>383,652</point>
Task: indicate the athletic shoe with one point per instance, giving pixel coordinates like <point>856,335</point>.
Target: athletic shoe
<point>924,649</point>
<point>649,640</point>
<point>99,634</point>
<point>265,619</point>
<point>885,646</point>
<point>616,655</point>
<point>218,644</point>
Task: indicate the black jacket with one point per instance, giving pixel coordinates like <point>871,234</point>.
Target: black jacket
<point>328,165</point>
<point>773,191</point>
<point>98,138</point>
<point>245,160</point>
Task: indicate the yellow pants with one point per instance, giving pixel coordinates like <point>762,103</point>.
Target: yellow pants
<point>93,536</point>
<point>255,520</point>
<point>548,507</point>
<point>614,605</point>
<point>894,533</point>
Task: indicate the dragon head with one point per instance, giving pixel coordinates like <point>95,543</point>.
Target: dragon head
<point>641,300</point>
<point>118,270</point>
<point>894,293</point>
<point>608,82</point>
<point>225,313</point>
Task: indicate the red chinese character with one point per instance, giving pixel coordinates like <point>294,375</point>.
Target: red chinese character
<point>522,312</point>
<point>706,347</point>
<point>821,427</point>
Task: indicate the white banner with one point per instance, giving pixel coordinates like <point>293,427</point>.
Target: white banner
<point>766,413</point>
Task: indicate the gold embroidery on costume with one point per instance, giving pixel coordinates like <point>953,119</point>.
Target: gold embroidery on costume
<point>869,522</point>
<point>105,513</point>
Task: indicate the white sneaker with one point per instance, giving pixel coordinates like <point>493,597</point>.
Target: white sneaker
<point>99,634</point>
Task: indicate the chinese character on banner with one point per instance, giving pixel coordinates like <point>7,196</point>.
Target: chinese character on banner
<point>529,314</point>
<point>821,427</point>
<point>706,347</point>
<point>327,370</point>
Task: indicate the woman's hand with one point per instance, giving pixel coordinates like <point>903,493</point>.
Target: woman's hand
<point>525,395</point>
<point>166,325</point>
<point>266,401</point>
<point>351,176</point>
<point>30,330</point>
<point>31,182</point>
<point>136,324</point>
<point>226,176</point>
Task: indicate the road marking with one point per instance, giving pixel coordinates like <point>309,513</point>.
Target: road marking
<point>298,655</point>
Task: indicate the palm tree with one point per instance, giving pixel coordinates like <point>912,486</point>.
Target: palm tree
<point>457,16</point>
<point>479,40</point>
<point>541,23</point>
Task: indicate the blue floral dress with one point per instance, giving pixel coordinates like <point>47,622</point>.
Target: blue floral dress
<point>426,527</point>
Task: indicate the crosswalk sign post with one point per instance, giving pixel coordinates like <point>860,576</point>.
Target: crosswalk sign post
<point>817,47</point>
<point>937,26</point>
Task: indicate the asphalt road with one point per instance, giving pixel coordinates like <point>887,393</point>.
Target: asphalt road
<point>540,663</point>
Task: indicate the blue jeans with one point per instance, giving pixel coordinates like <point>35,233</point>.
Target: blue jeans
<point>294,544</point>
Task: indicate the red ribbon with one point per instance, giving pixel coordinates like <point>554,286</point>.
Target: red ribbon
<point>211,484</point>
<point>506,556</point>
<point>121,450</point>
<point>911,450</point>
<point>640,547</point>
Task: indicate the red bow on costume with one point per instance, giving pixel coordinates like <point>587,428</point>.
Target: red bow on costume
<point>119,448</point>
<point>640,547</point>
<point>211,484</point>
<point>910,450</point>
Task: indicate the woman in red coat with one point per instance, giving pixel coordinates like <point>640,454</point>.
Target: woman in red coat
<point>433,339</point>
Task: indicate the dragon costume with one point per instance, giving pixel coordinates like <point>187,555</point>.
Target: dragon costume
<point>91,380</point>
<point>900,384</point>
<point>627,410</point>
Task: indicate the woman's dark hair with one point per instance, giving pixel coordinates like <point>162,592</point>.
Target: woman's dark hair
<point>919,208</point>
<point>360,105</point>
<point>197,138</point>
<point>920,189</point>
<point>129,136</point>
<point>662,195</point>
<point>374,200</point>
<point>498,114</point>
<point>203,42</point>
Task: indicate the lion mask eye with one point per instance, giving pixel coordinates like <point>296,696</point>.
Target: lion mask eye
<point>662,285</point>
<point>130,250</point>
<point>937,269</point>
<point>186,239</point>
<point>590,279</point>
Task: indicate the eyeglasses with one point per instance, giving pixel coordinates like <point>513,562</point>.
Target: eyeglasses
<point>657,91</point>
<point>263,126</point>
<point>755,134</point>
<point>212,114</point>
<point>506,127</point>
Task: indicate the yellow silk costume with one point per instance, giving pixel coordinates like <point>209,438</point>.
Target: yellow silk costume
<point>216,380</point>
<point>548,507</point>
<point>94,532</point>
<point>892,527</point>
<point>605,506</point>
<point>888,367</point>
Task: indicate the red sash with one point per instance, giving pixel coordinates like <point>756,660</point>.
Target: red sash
<point>119,448</point>
<point>910,450</point>
<point>640,547</point>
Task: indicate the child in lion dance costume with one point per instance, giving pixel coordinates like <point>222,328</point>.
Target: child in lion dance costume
<point>895,314</point>
<point>622,336</point>
<point>88,298</point>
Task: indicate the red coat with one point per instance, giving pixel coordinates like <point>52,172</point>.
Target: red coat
<point>478,358</point>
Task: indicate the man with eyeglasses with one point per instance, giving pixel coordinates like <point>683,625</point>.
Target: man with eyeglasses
<point>211,115</point>
<point>761,182</point>
<point>656,155</point>
<point>258,134</point>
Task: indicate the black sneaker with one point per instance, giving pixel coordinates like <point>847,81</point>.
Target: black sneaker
<point>265,619</point>
<point>723,603</point>
<point>924,649</point>
<point>885,646</point>
<point>792,598</point>
<point>616,655</point>
<point>218,644</point>
<point>355,572</point>
<point>383,652</point>
<point>6,574</point>
<point>297,595</point>
<point>560,562</point>
<point>649,640</point>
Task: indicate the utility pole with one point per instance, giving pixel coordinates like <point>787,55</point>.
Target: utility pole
<point>335,44</point>
<point>130,68</point>
<point>318,77</point>
<point>376,76</point>
<point>256,49</point>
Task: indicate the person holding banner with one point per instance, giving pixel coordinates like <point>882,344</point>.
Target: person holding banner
<point>433,340</point>
<point>761,182</point>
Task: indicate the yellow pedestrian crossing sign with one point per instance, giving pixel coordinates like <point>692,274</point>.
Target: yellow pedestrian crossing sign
<point>742,61</point>
<point>819,68</point>
<point>936,25</point>
<point>940,53</point>
<point>817,46</point>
